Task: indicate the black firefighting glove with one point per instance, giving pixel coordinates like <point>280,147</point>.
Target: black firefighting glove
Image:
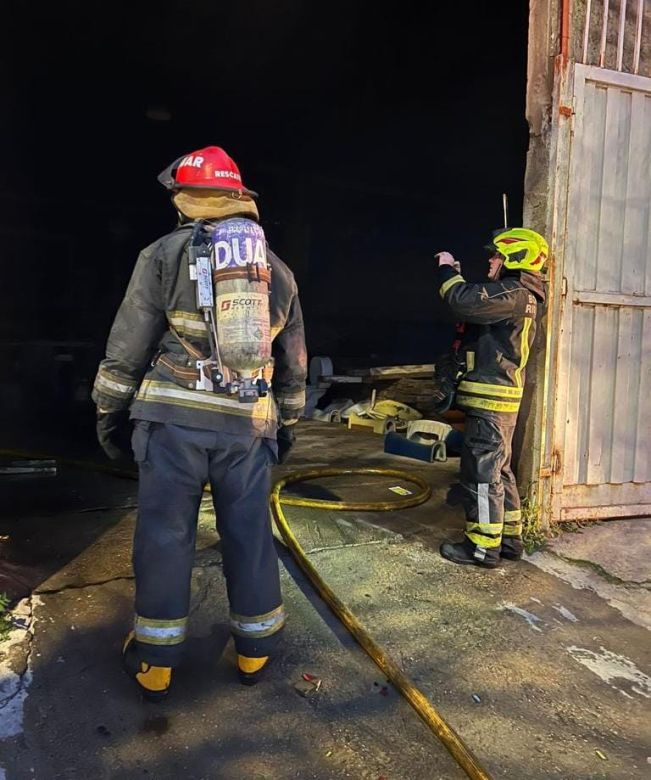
<point>448,371</point>
<point>285,439</point>
<point>114,434</point>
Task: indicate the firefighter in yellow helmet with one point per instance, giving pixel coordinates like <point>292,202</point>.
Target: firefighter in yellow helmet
<point>503,311</point>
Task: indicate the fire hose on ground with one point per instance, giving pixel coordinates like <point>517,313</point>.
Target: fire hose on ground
<point>460,752</point>
<point>445,733</point>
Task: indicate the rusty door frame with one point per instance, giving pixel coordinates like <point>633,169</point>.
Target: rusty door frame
<point>550,472</point>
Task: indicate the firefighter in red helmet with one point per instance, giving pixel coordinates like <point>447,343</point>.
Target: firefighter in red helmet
<point>200,420</point>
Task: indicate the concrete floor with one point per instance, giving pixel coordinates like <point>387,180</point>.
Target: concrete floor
<point>541,666</point>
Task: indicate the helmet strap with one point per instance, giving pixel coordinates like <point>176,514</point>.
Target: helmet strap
<point>497,275</point>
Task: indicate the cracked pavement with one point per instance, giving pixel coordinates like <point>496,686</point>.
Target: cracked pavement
<point>542,667</point>
<point>15,666</point>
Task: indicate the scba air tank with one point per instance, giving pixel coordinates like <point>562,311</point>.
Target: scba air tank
<point>242,280</point>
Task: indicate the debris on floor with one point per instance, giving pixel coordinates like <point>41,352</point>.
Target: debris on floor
<point>400,491</point>
<point>333,413</point>
<point>309,685</point>
<point>380,688</point>
<point>426,440</point>
<point>381,416</point>
<point>412,385</point>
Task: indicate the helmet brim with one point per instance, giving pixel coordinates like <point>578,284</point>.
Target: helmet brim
<point>168,180</point>
<point>166,177</point>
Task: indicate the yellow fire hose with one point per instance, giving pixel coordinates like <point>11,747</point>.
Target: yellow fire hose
<point>445,733</point>
<point>450,739</point>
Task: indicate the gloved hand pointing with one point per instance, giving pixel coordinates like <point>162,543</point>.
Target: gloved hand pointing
<point>445,258</point>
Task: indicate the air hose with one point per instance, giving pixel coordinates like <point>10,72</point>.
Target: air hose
<point>446,734</point>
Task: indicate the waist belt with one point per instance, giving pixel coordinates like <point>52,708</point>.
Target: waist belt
<point>189,376</point>
<point>185,375</point>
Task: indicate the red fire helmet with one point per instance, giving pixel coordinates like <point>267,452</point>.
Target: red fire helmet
<point>209,168</point>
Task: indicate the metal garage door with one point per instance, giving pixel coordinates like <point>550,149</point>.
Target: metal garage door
<point>600,401</point>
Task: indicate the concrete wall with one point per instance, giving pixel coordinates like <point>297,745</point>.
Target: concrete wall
<point>544,46</point>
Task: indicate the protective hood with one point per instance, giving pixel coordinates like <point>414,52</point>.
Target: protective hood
<point>212,204</point>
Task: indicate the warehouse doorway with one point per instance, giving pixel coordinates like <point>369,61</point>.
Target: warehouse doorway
<point>375,141</point>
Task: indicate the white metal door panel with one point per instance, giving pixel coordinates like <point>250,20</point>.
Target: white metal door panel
<point>602,420</point>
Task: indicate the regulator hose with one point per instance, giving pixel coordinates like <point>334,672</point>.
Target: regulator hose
<point>445,733</point>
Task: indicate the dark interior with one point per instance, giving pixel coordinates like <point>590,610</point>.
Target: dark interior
<point>374,139</point>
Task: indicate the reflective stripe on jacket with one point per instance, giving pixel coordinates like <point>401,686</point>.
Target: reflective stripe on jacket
<point>160,302</point>
<point>504,312</point>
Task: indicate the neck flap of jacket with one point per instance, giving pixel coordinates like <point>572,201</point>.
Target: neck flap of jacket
<point>536,283</point>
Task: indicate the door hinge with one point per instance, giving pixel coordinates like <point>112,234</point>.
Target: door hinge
<point>554,467</point>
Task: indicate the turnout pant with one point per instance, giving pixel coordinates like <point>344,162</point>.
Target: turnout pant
<point>175,463</point>
<point>491,498</point>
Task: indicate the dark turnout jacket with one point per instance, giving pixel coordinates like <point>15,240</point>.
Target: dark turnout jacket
<point>504,315</point>
<point>159,306</point>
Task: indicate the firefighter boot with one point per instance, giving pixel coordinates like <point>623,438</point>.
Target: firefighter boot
<point>153,681</point>
<point>467,553</point>
<point>251,670</point>
<point>512,548</point>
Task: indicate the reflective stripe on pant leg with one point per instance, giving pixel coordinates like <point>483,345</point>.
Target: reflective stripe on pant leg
<point>258,626</point>
<point>513,523</point>
<point>160,632</point>
<point>484,533</point>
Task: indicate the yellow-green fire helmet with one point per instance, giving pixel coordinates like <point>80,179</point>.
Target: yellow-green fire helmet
<point>522,249</point>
